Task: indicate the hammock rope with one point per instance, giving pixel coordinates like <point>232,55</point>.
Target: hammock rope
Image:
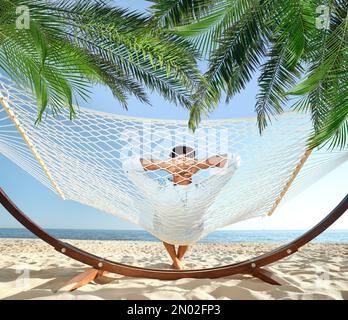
<point>96,159</point>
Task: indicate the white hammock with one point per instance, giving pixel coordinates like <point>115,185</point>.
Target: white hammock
<point>94,159</point>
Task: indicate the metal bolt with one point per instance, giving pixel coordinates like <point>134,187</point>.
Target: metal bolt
<point>288,251</point>
<point>253,265</point>
<point>100,264</point>
<point>63,250</point>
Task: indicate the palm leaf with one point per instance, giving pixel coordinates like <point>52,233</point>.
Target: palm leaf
<point>72,45</point>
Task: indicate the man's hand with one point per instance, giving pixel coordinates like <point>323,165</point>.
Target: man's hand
<point>218,161</point>
<point>152,165</point>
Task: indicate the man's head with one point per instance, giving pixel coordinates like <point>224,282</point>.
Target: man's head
<point>182,150</point>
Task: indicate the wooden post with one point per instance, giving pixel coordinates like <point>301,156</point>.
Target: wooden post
<point>32,148</point>
<point>290,181</point>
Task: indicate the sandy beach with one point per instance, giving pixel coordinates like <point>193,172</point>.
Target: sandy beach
<point>30,269</point>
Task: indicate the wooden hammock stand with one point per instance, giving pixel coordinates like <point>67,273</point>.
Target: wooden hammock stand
<point>101,266</point>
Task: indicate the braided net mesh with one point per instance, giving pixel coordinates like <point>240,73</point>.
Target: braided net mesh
<point>175,184</point>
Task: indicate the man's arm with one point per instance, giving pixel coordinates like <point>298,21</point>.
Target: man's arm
<point>150,165</point>
<point>134,171</point>
<point>217,161</point>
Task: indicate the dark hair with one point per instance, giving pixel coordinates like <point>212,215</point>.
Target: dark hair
<point>180,150</point>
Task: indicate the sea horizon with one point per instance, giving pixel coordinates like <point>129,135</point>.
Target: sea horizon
<point>220,236</point>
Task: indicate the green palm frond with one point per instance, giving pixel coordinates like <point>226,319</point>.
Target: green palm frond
<point>325,84</point>
<point>293,22</point>
<point>159,61</point>
<point>232,64</point>
<point>334,130</point>
<point>40,59</point>
<point>72,45</point>
<point>204,31</point>
<point>284,42</point>
<point>170,13</point>
<point>274,81</point>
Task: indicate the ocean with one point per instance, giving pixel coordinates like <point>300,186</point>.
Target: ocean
<point>222,236</point>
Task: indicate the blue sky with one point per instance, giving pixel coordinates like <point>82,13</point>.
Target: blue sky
<point>44,207</point>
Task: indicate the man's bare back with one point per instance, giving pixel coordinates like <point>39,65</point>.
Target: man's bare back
<point>182,168</point>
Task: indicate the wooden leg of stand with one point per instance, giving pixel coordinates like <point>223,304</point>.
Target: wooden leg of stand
<point>265,275</point>
<point>102,273</point>
<point>83,278</point>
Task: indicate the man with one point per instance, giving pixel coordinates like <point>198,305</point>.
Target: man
<point>182,166</point>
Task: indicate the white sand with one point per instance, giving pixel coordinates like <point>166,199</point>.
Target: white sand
<point>318,271</point>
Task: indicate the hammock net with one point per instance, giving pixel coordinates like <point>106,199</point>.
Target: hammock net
<point>95,160</point>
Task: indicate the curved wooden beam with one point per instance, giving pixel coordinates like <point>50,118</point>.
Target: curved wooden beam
<point>250,266</point>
